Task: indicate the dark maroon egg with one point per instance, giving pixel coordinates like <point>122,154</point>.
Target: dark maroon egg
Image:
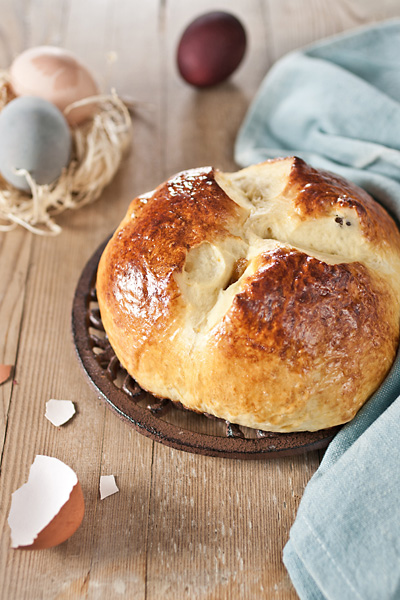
<point>211,48</point>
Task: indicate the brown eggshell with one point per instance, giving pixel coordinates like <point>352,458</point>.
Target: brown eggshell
<point>64,524</point>
<point>5,372</point>
<point>48,508</point>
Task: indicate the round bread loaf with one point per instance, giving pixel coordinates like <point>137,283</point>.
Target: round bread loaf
<point>269,297</point>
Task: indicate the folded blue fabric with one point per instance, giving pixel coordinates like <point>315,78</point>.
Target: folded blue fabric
<point>336,104</point>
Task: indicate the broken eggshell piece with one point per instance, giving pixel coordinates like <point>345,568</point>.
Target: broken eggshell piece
<point>59,412</point>
<point>5,372</point>
<point>47,509</point>
<point>108,487</point>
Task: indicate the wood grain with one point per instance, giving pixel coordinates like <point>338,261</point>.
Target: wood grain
<point>292,27</point>
<point>201,126</point>
<point>182,525</point>
<point>15,251</point>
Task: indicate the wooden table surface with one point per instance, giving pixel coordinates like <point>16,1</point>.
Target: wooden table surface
<point>182,525</point>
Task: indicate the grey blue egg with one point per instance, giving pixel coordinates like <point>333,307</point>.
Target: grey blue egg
<point>34,135</point>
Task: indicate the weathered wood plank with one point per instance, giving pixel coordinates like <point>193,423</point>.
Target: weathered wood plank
<point>15,249</point>
<point>95,442</point>
<point>201,125</point>
<point>292,26</point>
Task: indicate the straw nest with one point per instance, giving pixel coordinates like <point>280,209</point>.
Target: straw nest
<point>98,148</point>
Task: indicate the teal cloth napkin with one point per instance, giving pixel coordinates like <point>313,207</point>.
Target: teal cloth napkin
<point>336,104</point>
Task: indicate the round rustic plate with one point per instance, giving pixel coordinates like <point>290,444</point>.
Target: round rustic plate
<point>163,420</point>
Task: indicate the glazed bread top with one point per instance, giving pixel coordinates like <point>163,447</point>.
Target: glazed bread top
<point>268,297</point>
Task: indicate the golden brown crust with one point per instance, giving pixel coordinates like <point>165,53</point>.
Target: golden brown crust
<point>298,306</point>
<point>308,315</point>
<point>317,192</point>
<point>151,245</point>
<point>201,309</point>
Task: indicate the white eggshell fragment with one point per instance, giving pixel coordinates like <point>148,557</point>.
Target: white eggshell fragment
<point>34,136</point>
<point>107,486</point>
<point>47,509</point>
<point>59,412</point>
<point>56,75</point>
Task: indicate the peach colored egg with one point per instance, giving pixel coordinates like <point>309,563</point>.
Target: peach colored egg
<point>56,75</point>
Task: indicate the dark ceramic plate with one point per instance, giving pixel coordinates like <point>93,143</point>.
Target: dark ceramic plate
<point>162,420</point>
